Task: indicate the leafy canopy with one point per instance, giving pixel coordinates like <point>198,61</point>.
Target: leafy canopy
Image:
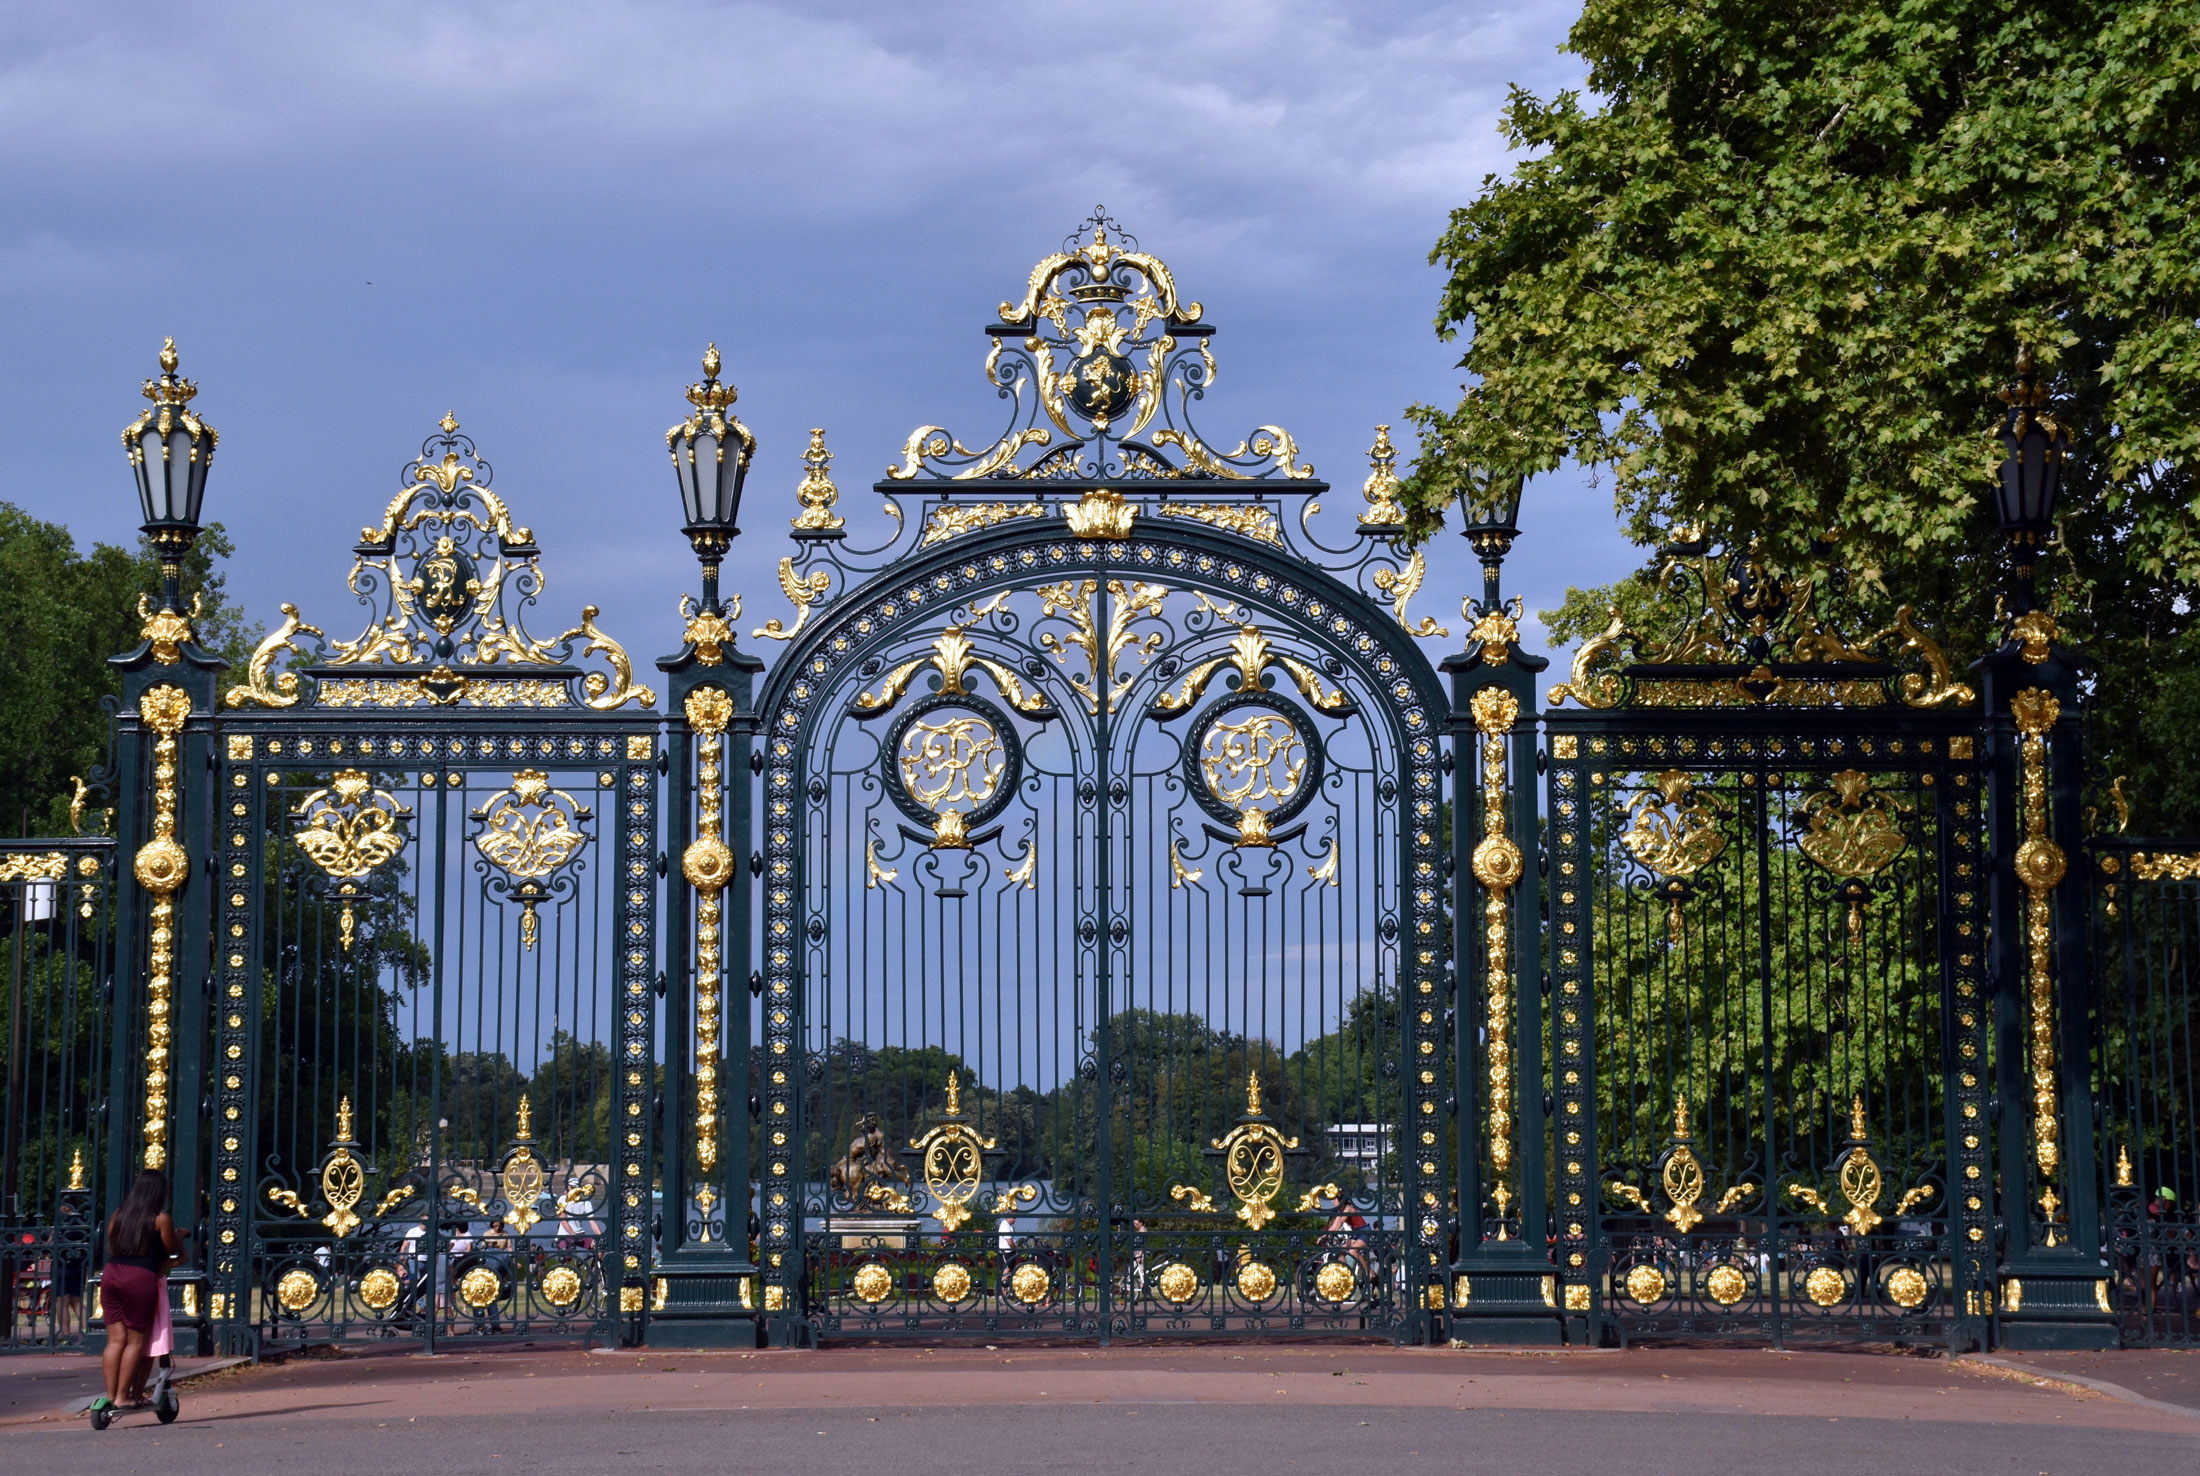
<point>1772,276</point>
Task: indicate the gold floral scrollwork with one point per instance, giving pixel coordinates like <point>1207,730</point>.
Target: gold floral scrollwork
<point>162,867</point>
<point>952,520</point>
<point>953,766</point>
<point>1674,831</point>
<point>1855,833</point>
<point>1860,1182</point>
<point>2035,634</point>
<point>951,1156</point>
<point>803,591</point>
<point>1497,868</point>
<point>1250,520</point>
<point>1254,765</point>
<point>523,1175</point>
<point>1251,654</point>
<point>1073,600</point>
<point>1101,513</point>
<point>953,656</point>
<point>1681,1176</point>
<point>817,494</point>
<point>348,830</point>
<point>1252,1157</point>
<point>343,1176</point>
<point>710,632</point>
<point>2040,866</point>
<point>1400,585</point>
<point>263,684</point>
<point>166,631</point>
<point>529,832</point>
<point>708,865</point>
<point>607,694</point>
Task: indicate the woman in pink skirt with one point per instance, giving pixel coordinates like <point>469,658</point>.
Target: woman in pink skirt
<point>141,1245</point>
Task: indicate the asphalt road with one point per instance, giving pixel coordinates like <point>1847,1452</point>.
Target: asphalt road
<point>912,1412</point>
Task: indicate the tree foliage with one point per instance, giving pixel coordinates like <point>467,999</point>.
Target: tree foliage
<point>1770,276</point>
<point>65,614</point>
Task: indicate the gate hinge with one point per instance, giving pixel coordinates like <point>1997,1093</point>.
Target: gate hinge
<point>1542,762</point>
<point>756,1105</point>
<point>1449,763</point>
<point>756,982</point>
<point>1451,1106</point>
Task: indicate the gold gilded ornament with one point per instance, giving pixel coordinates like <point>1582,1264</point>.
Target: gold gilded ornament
<point>1381,488</point>
<point>1177,1283</point>
<point>296,1289</point>
<point>1907,1288</point>
<point>480,1287</point>
<point>1256,1281</point>
<point>1826,1286</point>
<point>162,867</point>
<point>873,1282</point>
<point>348,830</point>
<point>379,1289</point>
<point>817,494</point>
<point>1030,1284</point>
<point>1335,1282</point>
<point>1100,513</point>
<point>1646,1284</point>
<point>951,1283</point>
<point>1727,1285</point>
<point>561,1286</point>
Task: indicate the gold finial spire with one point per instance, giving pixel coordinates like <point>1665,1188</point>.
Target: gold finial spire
<point>1252,1095</point>
<point>1857,1130</point>
<point>170,388</point>
<point>710,394</point>
<point>526,1120</point>
<point>1680,1115</point>
<point>76,1168</point>
<point>343,1120</point>
<point>817,494</point>
<point>1382,484</point>
<point>954,1096</point>
<point>449,422</point>
<point>2123,1166</point>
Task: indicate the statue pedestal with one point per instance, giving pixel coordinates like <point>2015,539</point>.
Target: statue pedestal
<point>877,1232</point>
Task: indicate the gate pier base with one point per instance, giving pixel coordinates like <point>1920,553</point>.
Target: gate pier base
<point>2051,1309</point>
<point>704,1306</point>
<point>1507,1306</point>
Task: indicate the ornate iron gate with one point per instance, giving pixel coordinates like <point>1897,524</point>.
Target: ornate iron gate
<point>1103,931</point>
<point>432,1032</point>
<point>1102,921</point>
<point>1770,1006</point>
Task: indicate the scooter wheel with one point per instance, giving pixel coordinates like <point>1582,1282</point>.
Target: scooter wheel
<point>167,1407</point>
<point>102,1418</point>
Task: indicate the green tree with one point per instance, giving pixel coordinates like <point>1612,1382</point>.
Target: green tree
<point>1771,274</point>
<point>66,613</point>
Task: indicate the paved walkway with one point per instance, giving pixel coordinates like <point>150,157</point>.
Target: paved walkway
<point>1211,1409</point>
<point>2165,1375</point>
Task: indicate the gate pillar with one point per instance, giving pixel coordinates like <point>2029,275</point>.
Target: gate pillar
<point>1503,1287</point>
<point>158,1107</point>
<point>2053,1286</point>
<point>706,1291</point>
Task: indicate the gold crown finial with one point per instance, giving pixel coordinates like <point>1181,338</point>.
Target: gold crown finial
<point>1252,1095</point>
<point>526,1119</point>
<point>1857,1129</point>
<point>343,1120</point>
<point>76,1168</point>
<point>710,394</point>
<point>1680,1116</point>
<point>171,388</point>
<point>449,422</point>
<point>954,1096</point>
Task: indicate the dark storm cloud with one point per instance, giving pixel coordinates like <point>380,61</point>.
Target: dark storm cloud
<point>353,218</point>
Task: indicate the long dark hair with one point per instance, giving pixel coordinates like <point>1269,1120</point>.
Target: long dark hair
<point>135,1234</point>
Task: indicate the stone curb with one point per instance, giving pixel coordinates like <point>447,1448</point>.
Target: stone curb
<point>2098,1386</point>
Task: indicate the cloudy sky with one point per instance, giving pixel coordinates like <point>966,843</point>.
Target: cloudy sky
<point>355,218</point>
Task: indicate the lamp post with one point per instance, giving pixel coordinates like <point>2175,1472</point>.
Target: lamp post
<point>1491,529</point>
<point>710,478</point>
<point>2035,447</point>
<point>170,451</point>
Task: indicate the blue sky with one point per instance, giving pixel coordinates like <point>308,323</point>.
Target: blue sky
<point>355,218</point>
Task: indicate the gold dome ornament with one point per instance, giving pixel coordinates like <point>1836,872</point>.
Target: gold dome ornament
<point>1030,1284</point>
<point>378,1289</point>
<point>873,1282</point>
<point>1177,1283</point>
<point>951,1283</point>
